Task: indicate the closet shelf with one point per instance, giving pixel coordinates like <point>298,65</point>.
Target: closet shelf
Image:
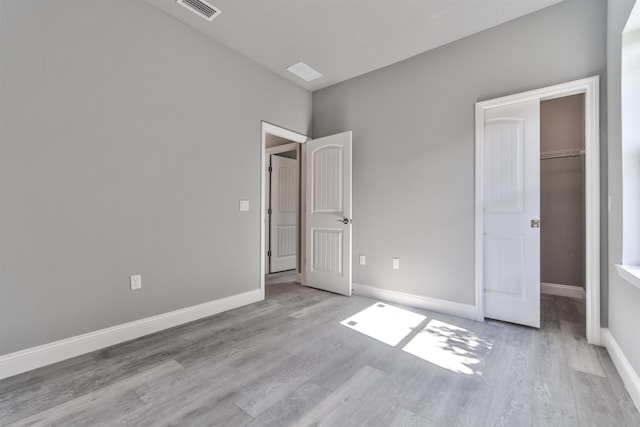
<point>560,154</point>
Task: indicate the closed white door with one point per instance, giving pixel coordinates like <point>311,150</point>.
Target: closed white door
<point>328,213</point>
<point>511,213</point>
<point>284,213</point>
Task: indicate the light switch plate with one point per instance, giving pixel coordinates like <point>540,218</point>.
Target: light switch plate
<point>363,260</point>
<point>244,205</point>
<point>136,282</point>
<point>396,263</point>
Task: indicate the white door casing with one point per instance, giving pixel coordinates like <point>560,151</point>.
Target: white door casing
<point>284,213</point>
<point>328,213</point>
<point>511,209</point>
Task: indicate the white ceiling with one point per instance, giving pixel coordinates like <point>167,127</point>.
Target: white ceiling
<point>342,39</point>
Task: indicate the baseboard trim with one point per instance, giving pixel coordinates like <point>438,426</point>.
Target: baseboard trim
<point>576,292</point>
<point>25,360</point>
<point>432,304</point>
<point>629,376</point>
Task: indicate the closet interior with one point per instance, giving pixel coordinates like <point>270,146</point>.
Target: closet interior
<point>562,196</point>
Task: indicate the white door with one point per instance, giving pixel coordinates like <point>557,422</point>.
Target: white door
<point>511,213</point>
<point>284,213</point>
<point>328,213</point>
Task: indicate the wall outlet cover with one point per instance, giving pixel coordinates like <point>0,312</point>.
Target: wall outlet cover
<point>396,263</point>
<point>363,260</point>
<point>244,205</point>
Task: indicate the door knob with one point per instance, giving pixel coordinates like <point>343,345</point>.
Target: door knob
<point>345,221</point>
<point>535,223</point>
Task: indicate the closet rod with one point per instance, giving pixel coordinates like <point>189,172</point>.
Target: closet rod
<point>560,154</point>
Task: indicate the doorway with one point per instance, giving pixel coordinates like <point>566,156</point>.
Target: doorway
<point>281,238</point>
<point>518,282</point>
<point>324,223</point>
<point>283,205</point>
<point>562,197</point>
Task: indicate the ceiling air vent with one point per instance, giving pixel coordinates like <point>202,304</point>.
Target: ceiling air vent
<point>201,7</point>
<point>303,71</point>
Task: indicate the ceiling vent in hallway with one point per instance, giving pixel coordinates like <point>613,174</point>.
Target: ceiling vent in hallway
<point>303,71</point>
<point>201,8</point>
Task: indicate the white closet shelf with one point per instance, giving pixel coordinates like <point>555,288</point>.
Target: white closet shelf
<point>560,154</point>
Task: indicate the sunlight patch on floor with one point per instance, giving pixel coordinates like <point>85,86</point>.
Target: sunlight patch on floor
<point>384,323</point>
<point>450,347</point>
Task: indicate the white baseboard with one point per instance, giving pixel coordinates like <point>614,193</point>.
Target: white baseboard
<point>576,292</point>
<point>432,304</point>
<point>36,357</point>
<point>629,376</point>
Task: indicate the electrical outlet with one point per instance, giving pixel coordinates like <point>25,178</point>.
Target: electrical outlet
<point>363,260</point>
<point>136,282</point>
<point>396,263</point>
<point>244,205</point>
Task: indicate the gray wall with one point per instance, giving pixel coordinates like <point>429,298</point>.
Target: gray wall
<point>413,130</point>
<point>624,299</point>
<point>126,141</point>
<point>562,193</point>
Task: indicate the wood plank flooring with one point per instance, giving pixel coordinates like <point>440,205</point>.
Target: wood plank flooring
<point>287,361</point>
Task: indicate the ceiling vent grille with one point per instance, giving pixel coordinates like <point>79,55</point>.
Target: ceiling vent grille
<point>201,8</point>
<point>303,71</point>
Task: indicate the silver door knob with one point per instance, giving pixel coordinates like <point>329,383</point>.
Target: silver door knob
<point>345,221</point>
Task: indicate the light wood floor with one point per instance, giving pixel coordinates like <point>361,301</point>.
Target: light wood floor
<point>288,361</point>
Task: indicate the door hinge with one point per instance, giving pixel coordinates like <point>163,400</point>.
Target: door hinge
<point>269,211</point>
<point>270,169</point>
<point>268,253</point>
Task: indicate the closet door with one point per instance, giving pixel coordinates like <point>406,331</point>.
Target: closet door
<point>511,213</point>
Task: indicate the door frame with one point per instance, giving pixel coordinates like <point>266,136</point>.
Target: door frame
<point>269,128</point>
<point>590,88</point>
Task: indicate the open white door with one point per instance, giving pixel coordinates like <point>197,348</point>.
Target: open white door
<point>328,213</point>
<point>284,213</point>
<point>511,213</point>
